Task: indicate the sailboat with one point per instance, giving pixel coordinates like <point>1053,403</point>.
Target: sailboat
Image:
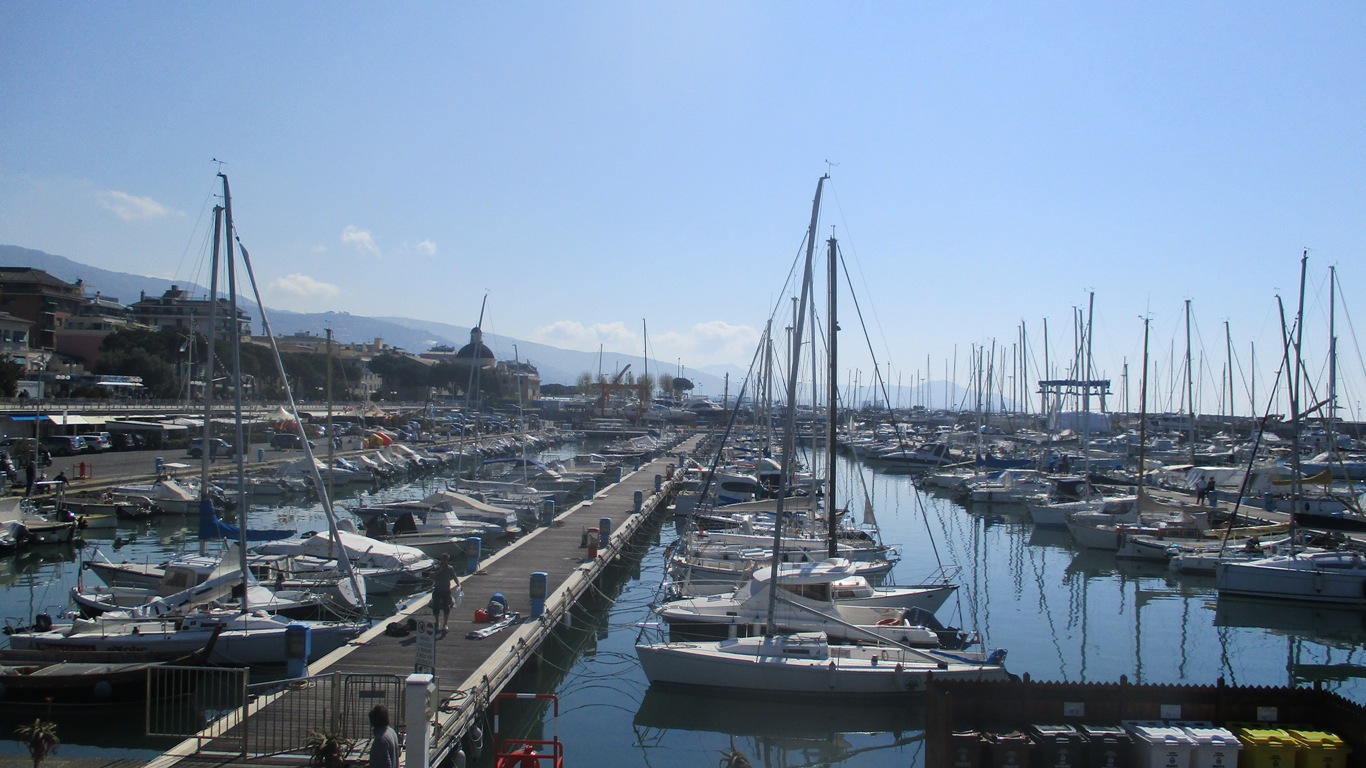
<point>806,662</point>
<point>248,634</point>
<point>1332,576</point>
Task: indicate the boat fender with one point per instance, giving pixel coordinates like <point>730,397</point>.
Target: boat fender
<point>1363,587</point>
<point>474,742</point>
<point>103,690</point>
<point>997,657</point>
<point>2,691</point>
<point>887,622</point>
<point>42,622</point>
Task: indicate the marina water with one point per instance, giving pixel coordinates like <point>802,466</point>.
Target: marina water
<point>1063,614</point>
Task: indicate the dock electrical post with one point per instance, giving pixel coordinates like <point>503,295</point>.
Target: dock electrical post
<point>537,592</point>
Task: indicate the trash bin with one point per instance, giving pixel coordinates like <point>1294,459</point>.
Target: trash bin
<point>1265,747</point>
<point>1158,745</point>
<point>1057,746</point>
<point>966,749</point>
<point>1107,746</point>
<point>1321,749</point>
<point>1008,750</point>
<point>1214,747</point>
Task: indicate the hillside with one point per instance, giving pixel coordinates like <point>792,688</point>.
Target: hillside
<point>556,366</point>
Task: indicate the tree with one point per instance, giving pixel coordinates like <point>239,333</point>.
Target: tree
<point>666,383</point>
<point>40,738</point>
<point>646,384</point>
<point>584,384</point>
<point>158,375</point>
<point>10,373</point>
<point>682,385</point>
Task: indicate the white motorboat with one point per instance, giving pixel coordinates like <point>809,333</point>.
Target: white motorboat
<point>377,560</point>
<point>824,596</point>
<point>166,493</point>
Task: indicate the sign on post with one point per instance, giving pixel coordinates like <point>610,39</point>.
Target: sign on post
<point>426,647</point>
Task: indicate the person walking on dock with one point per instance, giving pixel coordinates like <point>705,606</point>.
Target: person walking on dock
<point>442,597</point>
<point>30,476</point>
<point>384,744</point>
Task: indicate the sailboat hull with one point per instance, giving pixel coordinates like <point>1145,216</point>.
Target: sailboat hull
<point>805,664</point>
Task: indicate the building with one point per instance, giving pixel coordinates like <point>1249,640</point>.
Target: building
<point>43,300</point>
<point>177,309</point>
<point>526,377</point>
<point>98,316</point>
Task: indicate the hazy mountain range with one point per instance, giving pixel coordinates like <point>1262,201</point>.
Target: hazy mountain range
<point>556,366</point>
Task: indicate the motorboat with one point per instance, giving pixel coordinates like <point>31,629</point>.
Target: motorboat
<point>826,596</point>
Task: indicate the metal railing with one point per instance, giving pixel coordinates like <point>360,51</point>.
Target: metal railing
<point>225,714</point>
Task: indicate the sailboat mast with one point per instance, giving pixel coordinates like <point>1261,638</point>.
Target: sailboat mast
<point>1143,414</point>
<point>832,399</point>
<point>790,425</point>
<point>238,434</point>
<point>206,432</point>
<point>1332,360</point>
<point>1190,382</point>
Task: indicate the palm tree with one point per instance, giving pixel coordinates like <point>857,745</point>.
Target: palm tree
<point>40,737</point>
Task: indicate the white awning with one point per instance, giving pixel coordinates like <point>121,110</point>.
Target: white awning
<point>72,420</point>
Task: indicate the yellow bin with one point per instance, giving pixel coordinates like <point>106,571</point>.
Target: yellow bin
<point>1267,748</point>
<point>1320,749</point>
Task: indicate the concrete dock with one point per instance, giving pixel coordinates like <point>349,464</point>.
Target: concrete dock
<point>467,674</point>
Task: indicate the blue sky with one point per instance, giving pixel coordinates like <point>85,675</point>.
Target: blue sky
<point>593,165</point>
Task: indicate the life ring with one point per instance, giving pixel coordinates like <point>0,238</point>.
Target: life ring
<point>887,622</point>
<point>42,622</point>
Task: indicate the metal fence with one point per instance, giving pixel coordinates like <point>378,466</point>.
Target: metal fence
<point>226,715</point>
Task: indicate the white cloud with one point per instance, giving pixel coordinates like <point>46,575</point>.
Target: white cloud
<point>361,239</point>
<point>302,290</point>
<point>427,247</point>
<point>571,334</point>
<point>715,341</point>
<point>712,342</point>
<point>131,207</point>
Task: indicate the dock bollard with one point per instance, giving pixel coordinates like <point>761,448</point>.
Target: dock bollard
<point>604,532</point>
<point>474,554</point>
<point>298,646</point>
<point>659,483</point>
<point>640,502</point>
<point>538,590</point>
<point>260,455</point>
<point>592,487</point>
<point>161,464</point>
<point>592,543</point>
<point>419,707</point>
<point>547,512</point>
<point>635,466</point>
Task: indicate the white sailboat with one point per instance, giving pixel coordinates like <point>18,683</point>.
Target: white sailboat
<point>806,662</point>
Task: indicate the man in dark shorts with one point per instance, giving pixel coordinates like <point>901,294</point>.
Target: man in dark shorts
<point>443,599</point>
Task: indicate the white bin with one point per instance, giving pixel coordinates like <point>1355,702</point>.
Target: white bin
<point>1158,745</point>
<point>1214,747</point>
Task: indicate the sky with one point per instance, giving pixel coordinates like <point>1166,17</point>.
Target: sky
<point>621,173</point>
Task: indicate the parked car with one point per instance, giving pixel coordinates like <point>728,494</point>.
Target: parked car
<point>284,440</point>
<point>64,445</point>
<point>98,442</point>
<point>217,447</point>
